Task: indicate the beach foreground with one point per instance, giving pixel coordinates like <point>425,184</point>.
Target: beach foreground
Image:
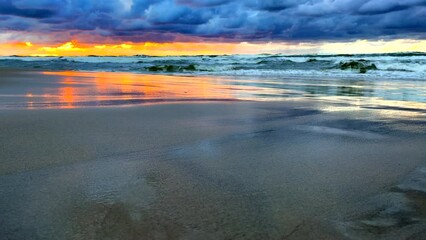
<point>310,168</point>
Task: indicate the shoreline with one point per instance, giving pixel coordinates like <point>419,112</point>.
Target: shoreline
<point>351,76</point>
<point>75,89</point>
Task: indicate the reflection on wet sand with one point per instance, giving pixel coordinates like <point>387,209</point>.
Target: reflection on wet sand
<point>67,93</point>
<point>70,89</point>
<point>101,88</point>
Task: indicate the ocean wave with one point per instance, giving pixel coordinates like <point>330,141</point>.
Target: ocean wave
<point>361,65</point>
<point>172,68</point>
<point>394,65</point>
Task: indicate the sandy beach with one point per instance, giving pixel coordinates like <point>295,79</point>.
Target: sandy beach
<point>211,165</point>
<point>212,120</point>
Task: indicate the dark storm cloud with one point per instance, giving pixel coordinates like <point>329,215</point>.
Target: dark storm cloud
<point>271,5</point>
<point>203,3</point>
<point>232,20</point>
<point>9,7</point>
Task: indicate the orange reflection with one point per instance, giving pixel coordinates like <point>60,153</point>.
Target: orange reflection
<point>96,88</point>
<point>67,97</point>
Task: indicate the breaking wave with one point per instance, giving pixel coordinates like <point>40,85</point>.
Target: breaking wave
<point>392,65</point>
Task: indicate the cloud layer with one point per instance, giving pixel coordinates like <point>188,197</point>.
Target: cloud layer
<point>218,20</point>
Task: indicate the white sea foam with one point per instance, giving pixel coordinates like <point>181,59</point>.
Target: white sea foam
<point>412,66</point>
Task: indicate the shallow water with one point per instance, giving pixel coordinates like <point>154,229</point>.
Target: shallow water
<point>308,165</point>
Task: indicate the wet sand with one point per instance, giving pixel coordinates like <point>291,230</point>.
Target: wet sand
<point>299,169</point>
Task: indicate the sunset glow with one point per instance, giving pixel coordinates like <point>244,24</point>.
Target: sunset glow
<point>74,48</point>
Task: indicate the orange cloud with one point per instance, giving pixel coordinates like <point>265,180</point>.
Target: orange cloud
<point>66,47</point>
<point>74,48</point>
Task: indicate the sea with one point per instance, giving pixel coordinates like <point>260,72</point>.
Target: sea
<point>392,65</point>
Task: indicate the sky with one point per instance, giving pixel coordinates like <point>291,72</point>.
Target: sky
<point>167,27</point>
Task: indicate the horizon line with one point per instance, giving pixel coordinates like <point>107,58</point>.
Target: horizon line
<point>232,54</point>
